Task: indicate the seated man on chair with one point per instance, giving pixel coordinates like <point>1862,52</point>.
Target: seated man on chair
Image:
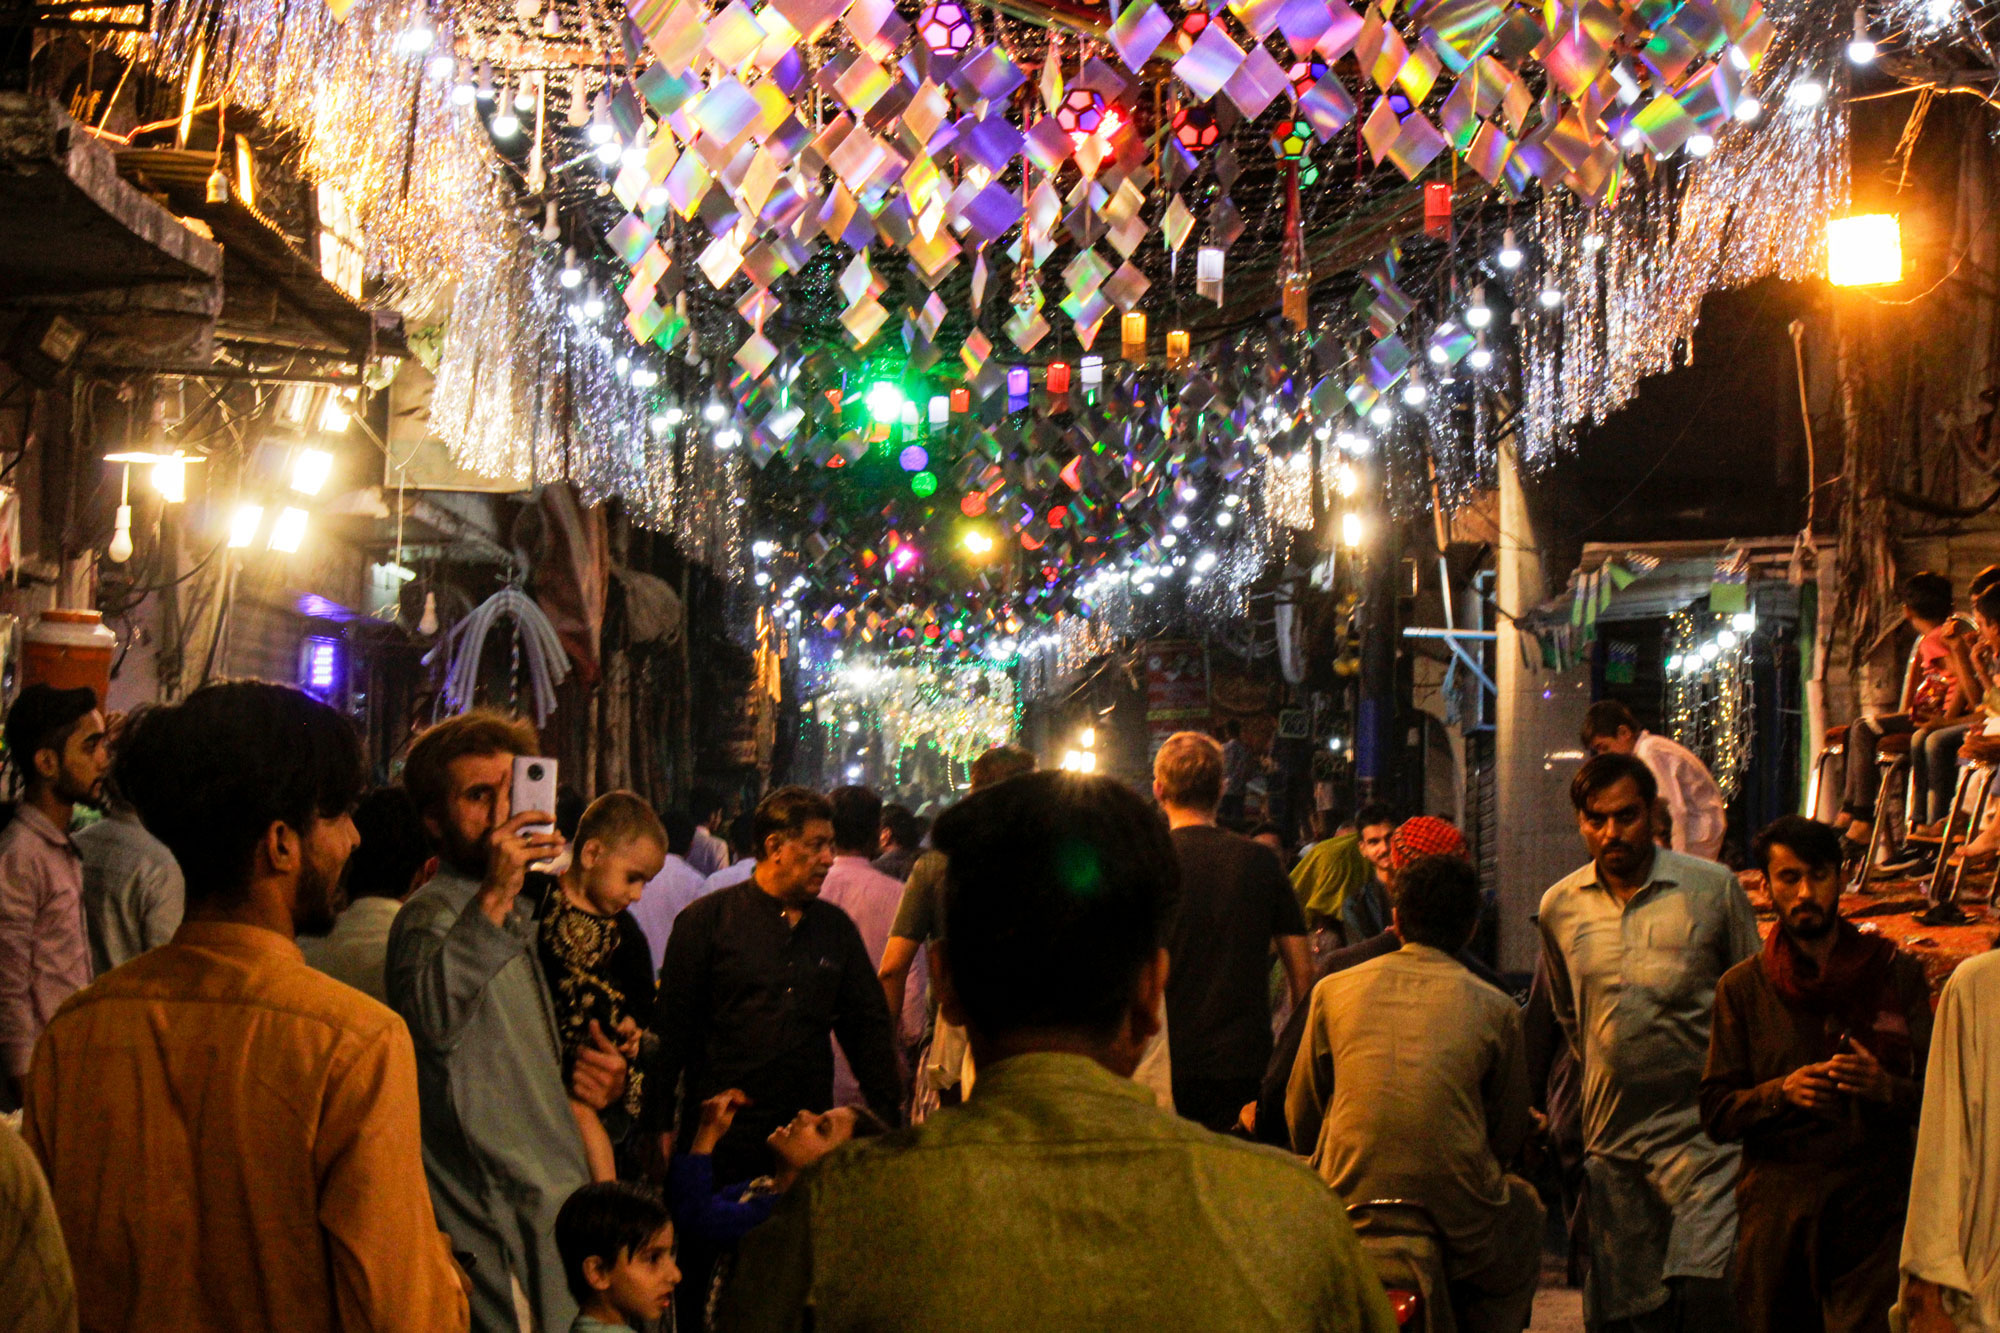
<point>1975,665</point>
<point>1932,704</point>
<point>1412,1084</point>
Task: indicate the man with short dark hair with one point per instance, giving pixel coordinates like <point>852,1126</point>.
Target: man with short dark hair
<point>670,891</point>
<point>231,1137</point>
<point>1412,1084</point>
<point>707,853</point>
<point>392,862</point>
<point>920,914</point>
<point>1342,883</point>
<point>755,979</point>
<point>1697,813</point>
<point>500,1146</point>
<point>869,898</point>
<point>56,740</point>
<point>133,893</point>
<point>1635,943</point>
<point>902,841</point>
<point>1059,1196</point>
<point>1235,906</point>
<point>1815,1065</point>
<point>1934,702</point>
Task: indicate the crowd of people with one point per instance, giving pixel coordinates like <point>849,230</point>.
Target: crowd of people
<point>289,1052</point>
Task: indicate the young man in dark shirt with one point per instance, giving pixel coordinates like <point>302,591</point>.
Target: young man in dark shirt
<point>1815,1060</point>
<point>1236,903</point>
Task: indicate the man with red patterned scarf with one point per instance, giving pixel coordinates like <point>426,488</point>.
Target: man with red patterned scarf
<point>1815,1062</point>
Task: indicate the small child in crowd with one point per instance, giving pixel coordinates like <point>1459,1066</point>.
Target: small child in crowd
<point>617,1247</point>
<point>599,969</point>
<point>720,1218</point>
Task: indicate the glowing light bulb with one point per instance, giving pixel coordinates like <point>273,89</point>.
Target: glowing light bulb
<point>505,124</point>
<point>310,469</point>
<point>120,549</point>
<point>1350,529</point>
<point>1861,50</point>
<point>1478,315</point>
<point>1700,144</point>
<point>1510,251</point>
<point>1481,357</point>
<point>243,524</point>
<point>593,305</point>
<point>1414,392</point>
<point>1806,94</point>
<point>1380,414</point>
<point>1748,108</point>
<point>571,275</point>
<point>288,530</point>
<point>714,412</point>
<point>1551,296</point>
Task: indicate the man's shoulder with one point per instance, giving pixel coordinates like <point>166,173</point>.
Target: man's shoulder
<point>433,907</point>
<point>1710,878</point>
<point>1977,980</point>
<point>174,975</point>
<point>1146,1135</point>
<point>1569,888</point>
<point>1743,979</point>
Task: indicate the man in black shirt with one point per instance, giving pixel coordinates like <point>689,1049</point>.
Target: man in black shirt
<point>756,975</point>
<point>1235,904</point>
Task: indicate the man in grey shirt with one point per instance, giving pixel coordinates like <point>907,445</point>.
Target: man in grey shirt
<point>133,894</point>
<point>1635,943</point>
<point>500,1145</point>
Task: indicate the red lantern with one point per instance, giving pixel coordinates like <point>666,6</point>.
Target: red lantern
<point>1196,129</point>
<point>1058,377</point>
<point>961,399</point>
<point>1437,210</point>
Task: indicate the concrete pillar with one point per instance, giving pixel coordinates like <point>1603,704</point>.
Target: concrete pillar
<point>1537,715</point>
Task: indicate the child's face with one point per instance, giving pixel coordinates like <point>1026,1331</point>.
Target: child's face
<point>640,1286</point>
<point>812,1135</point>
<point>614,877</point>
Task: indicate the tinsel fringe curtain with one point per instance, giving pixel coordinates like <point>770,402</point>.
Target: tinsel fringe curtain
<point>522,393</point>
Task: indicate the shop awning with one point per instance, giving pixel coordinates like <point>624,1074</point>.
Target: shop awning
<point>69,224</point>
<point>259,261</point>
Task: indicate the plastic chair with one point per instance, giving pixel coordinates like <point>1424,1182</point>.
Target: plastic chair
<point>1947,880</point>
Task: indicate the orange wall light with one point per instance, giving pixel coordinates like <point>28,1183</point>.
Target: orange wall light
<point>1864,251</point>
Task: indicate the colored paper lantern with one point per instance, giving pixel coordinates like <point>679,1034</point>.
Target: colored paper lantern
<point>1133,330</point>
<point>945,27</point>
<point>1058,377</point>
<point>961,399</point>
<point>923,485</point>
<point>914,459</point>
<point>1177,348</point>
<point>1195,127</point>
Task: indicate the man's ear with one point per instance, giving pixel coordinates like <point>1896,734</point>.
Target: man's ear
<point>941,983</point>
<point>1148,997</point>
<point>48,763</point>
<point>280,851</point>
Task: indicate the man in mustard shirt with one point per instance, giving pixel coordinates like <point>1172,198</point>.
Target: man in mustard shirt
<point>231,1136</point>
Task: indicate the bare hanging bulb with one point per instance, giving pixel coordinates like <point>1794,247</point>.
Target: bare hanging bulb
<point>428,625</point>
<point>218,187</point>
<point>552,24</point>
<point>120,549</point>
<point>551,229</point>
<point>579,101</point>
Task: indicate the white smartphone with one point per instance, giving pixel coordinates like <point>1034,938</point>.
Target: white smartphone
<point>534,788</point>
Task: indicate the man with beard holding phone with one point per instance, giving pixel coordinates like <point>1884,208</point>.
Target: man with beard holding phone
<point>1635,943</point>
<point>230,1136</point>
<point>500,1146</point>
<point>1814,1062</point>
